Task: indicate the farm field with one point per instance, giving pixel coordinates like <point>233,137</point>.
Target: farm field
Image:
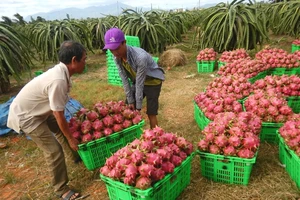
<point>24,176</point>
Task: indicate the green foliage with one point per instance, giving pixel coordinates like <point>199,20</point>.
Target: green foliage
<point>47,36</point>
<point>232,26</point>
<point>38,19</point>
<point>149,27</point>
<point>98,27</point>
<point>9,178</point>
<point>19,19</point>
<point>285,18</point>
<point>14,55</point>
<point>178,23</point>
<point>7,20</point>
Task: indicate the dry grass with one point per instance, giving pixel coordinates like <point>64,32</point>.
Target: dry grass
<point>25,176</point>
<point>172,58</point>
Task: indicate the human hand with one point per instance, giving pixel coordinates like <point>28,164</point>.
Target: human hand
<point>73,144</point>
<point>132,106</point>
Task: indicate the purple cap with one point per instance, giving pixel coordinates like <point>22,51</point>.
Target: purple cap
<point>113,38</point>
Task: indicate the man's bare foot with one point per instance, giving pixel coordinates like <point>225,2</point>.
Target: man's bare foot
<point>70,195</point>
<point>2,145</point>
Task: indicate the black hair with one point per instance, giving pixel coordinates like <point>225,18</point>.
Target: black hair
<point>69,49</point>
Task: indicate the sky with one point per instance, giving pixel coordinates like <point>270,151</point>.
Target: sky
<point>29,7</point>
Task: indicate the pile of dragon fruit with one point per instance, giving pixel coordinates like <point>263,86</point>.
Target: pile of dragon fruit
<point>285,84</point>
<point>297,54</point>
<point>243,67</point>
<point>290,132</point>
<point>103,120</point>
<point>269,105</point>
<point>207,54</point>
<point>230,56</point>
<point>229,133</point>
<point>296,42</point>
<point>274,57</point>
<point>221,95</point>
<point>232,134</point>
<point>148,159</point>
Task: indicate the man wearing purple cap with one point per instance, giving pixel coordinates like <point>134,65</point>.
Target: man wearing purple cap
<point>136,64</point>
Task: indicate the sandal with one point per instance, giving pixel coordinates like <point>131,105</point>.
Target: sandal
<point>71,195</point>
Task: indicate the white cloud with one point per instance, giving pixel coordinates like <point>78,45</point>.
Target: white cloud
<point>166,3</point>
<point>29,7</point>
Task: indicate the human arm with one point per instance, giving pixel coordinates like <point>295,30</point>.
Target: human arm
<point>141,67</point>
<point>128,88</point>
<point>63,125</point>
<point>58,97</point>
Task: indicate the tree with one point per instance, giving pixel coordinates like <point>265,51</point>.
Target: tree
<point>38,19</point>
<point>277,1</point>
<point>47,36</point>
<point>19,19</point>
<point>234,25</point>
<point>284,18</point>
<point>14,55</point>
<point>7,20</point>
<point>154,35</point>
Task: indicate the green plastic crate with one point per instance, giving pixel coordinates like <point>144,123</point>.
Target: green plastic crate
<point>200,118</point>
<point>205,66</point>
<point>294,103</point>
<point>268,132</point>
<point>292,71</point>
<point>37,73</point>
<point>295,48</point>
<point>112,71</point>
<point>220,64</point>
<point>169,188</point>
<point>94,153</point>
<point>281,150</point>
<point>226,169</point>
<point>242,101</point>
<point>115,82</point>
<point>110,63</point>
<point>260,75</point>
<point>85,69</point>
<point>114,77</point>
<point>109,55</point>
<point>279,71</point>
<point>290,160</point>
<point>155,59</point>
<point>132,41</point>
